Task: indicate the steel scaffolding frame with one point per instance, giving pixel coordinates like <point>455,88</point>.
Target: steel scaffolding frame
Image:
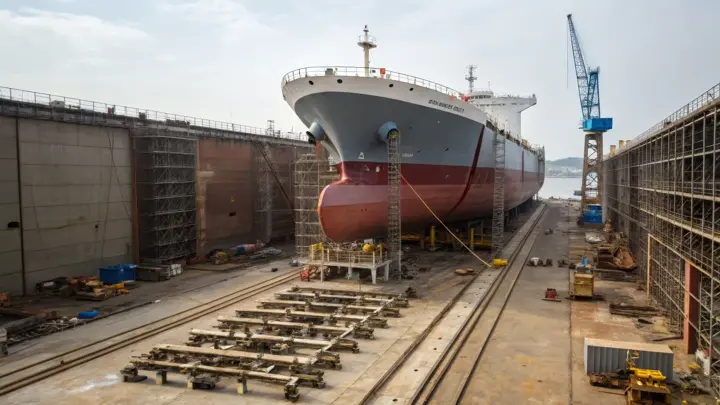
<point>313,171</point>
<point>273,201</point>
<point>264,191</point>
<point>498,218</point>
<point>165,192</point>
<point>591,179</point>
<point>663,191</point>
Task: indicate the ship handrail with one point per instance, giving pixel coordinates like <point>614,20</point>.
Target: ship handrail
<point>8,94</point>
<point>357,71</point>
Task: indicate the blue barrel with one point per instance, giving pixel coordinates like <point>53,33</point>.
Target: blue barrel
<point>592,217</point>
<point>87,314</point>
<point>117,274</point>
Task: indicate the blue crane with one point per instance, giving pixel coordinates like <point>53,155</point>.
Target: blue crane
<point>588,87</point>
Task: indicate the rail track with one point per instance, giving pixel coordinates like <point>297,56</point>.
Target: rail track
<point>42,369</point>
<point>448,381</point>
<point>470,341</point>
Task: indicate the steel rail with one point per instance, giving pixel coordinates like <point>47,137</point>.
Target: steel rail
<point>411,349</point>
<point>427,391</point>
<point>166,323</point>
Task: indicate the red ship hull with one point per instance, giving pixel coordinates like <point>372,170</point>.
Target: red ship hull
<point>355,207</point>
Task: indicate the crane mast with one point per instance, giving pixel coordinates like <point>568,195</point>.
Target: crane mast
<point>593,125</point>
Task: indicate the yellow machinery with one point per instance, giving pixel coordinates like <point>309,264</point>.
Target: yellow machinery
<point>583,285</point>
<point>642,386</point>
<point>499,263</point>
<point>647,387</point>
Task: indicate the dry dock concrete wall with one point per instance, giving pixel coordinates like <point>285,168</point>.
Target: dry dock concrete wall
<point>227,192</point>
<point>10,247</point>
<point>73,203</point>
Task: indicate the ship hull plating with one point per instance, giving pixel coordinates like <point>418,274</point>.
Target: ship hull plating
<point>447,155</point>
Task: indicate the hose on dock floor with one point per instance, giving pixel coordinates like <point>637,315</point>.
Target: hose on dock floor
<point>443,223</point>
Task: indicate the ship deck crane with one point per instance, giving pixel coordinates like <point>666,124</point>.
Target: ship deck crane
<point>588,82</point>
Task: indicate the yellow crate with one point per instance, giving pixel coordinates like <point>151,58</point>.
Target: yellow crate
<point>583,285</point>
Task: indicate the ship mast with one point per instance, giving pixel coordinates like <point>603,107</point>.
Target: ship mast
<point>366,42</point>
<point>471,78</point>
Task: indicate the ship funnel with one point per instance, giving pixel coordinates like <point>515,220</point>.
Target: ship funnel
<point>385,130</point>
<point>315,133</point>
<point>612,150</point>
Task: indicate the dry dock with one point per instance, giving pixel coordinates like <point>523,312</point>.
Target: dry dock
<point>520,349</point>
<point>261,335</point>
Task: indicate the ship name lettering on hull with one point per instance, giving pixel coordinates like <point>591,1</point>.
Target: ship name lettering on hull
<point>446,105</point>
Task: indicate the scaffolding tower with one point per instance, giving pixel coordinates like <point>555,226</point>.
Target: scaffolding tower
<point>591,178</point>
<point>264,189</point>
<point>498,218</point>
<point>394,216</point>
<point>662,189</point>
<point>313,171</point>
<point>165,192</point>
<point>273,203</point>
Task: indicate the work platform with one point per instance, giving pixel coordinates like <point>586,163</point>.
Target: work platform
<point>336,256</point>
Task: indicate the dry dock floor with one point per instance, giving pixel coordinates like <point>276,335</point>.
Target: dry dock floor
<point>534,357</point>
<point>536,353</point>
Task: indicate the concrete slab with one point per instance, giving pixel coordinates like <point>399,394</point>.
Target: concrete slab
<point>526,359</point>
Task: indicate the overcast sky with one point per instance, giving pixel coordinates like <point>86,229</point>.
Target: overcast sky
<point>224,59</point>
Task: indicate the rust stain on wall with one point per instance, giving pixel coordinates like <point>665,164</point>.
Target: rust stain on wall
<point>226,193</point>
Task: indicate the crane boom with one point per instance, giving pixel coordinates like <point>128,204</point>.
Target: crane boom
<point>580,68</point>
<point>588,82</point>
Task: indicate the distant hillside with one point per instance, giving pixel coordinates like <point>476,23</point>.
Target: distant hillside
<point>568,162</point>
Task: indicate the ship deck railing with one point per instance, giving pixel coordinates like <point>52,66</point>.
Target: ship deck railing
<point>382,73</point>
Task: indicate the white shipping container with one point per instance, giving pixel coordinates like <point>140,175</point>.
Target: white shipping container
<point>605,356</point>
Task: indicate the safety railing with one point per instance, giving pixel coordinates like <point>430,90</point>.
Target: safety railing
<point>704,99</point>
<point>380,73</point>
<point>13,96</point>
<point>330,254</point>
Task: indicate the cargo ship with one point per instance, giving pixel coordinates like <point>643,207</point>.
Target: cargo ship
<point>446,144</point>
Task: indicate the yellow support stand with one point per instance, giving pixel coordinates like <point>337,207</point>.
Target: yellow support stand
<point>471,233</point>
<point>432,238</point>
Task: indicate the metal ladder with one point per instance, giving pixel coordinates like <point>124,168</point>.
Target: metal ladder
<point>394,181</point>
<point>498,219</point>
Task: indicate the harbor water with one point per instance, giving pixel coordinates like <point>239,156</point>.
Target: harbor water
<point>560,187</point>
